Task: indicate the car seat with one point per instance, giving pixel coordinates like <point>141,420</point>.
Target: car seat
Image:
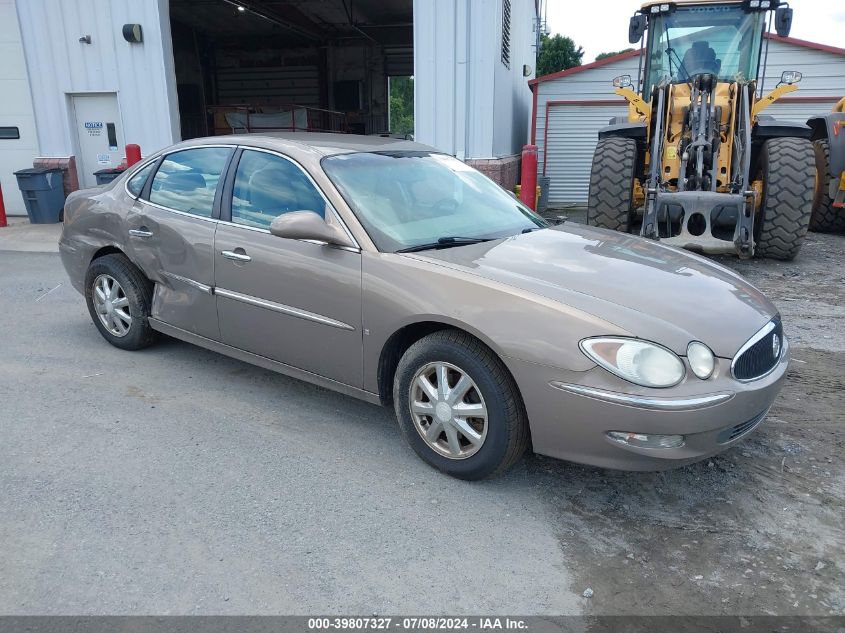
<point>700,59</point>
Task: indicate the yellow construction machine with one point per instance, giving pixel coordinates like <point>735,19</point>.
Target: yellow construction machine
<point>697,163</point>
<point>829,142</point>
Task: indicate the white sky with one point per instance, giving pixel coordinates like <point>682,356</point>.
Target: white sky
<point>600,26</point>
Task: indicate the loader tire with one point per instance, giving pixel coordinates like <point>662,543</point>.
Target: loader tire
<point>788,171</point>
<point>612,184</point>
<point>826,218</point>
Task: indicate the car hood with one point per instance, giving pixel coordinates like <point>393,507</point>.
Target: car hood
<point>651,291</point>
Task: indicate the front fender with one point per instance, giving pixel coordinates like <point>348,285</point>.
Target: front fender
<point>399,290</point>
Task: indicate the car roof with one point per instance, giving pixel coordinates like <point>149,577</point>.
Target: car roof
<point>322,143</point>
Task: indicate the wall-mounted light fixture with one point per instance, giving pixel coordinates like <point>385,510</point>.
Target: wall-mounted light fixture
<point>527,70</point>
<point>132,33</point>
<point>85,39</point>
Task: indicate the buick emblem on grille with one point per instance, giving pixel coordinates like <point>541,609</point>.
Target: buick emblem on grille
<point>775,345</point>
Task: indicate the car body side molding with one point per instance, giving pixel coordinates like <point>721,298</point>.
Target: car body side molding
<point>284,309</point>
<point>263,361</point>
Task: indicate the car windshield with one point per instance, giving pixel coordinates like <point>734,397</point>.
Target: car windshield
<point>411,199</point>
<point>719,40</point>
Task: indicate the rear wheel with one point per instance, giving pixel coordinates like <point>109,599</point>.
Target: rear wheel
<point>826,218</point>
<point>458,407</point>
<point>788,172</point>
<point>119,299</point>
<point>612,184</point>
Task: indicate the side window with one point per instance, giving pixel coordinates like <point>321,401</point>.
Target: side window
<point>187,180</point>
<point>137,182</point>
<point>267,186</point>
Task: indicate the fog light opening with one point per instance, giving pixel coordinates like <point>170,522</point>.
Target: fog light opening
<point>641,440</point>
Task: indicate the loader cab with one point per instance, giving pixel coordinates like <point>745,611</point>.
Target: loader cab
<point>724,40</point>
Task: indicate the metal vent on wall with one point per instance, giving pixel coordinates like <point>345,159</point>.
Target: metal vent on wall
<point>506,33</point>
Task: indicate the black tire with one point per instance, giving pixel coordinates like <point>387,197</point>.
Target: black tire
<point>612,184</point>
<point>507,424</point>
<point>826,218</point>
<point>788,171</point>
<point>138,291</point>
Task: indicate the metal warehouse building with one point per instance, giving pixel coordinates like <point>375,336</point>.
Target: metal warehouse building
<point>572,105</point>
<point>81,78</point>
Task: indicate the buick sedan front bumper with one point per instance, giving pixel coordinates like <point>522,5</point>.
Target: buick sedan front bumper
<point>572,414</point>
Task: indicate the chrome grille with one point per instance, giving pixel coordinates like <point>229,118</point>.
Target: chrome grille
<point>734,432</point>
<point>760,355</point>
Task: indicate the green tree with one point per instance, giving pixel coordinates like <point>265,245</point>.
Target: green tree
<point>601,56</point>
<point>557,53</point>
<point>402,105</point>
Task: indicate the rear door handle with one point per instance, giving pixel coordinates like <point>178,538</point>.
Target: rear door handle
<point>235,256</point>
<point>142,232</point>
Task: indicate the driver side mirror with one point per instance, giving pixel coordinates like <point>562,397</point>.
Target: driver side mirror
<point>783,21</point>
<point>637,27</point>
<point>308,225</point>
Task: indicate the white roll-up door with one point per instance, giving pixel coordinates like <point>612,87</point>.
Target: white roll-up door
<point>570,142</point>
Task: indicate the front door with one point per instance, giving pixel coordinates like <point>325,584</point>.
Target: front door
<point>171,237</point>
<point>293,301</point>
<point>99,134</point>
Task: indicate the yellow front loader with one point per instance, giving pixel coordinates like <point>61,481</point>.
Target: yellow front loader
<point>697,163</point>
<point>829,142</point>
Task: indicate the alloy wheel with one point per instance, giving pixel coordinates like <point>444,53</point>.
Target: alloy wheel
<point>448,410</point>
<point>111,305</point>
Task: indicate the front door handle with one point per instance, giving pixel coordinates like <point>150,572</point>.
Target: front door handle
<point>236,256</point>
<point>142,232</point>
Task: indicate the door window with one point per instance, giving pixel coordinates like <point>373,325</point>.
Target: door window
<point>137,182</point>
<point>187,180</point>
<point>266,186</point>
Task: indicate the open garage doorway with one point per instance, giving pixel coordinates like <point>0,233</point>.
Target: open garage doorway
<point>302,65</point>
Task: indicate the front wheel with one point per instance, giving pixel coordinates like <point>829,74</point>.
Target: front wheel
<point>611,198</point>
<point>788,172</point>
<point>458,407</point>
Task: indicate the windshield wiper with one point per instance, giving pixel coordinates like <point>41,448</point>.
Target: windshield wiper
<point>446,242</point>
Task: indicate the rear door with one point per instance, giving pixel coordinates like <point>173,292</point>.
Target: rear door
<point>293,301</point>
<point>171,236</point>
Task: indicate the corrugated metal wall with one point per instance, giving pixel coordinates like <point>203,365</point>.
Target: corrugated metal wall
<point>466,102</point>
<point>572,133</point>
<point>15,109</point>
<point>59,64</point>
<point>291,84</point>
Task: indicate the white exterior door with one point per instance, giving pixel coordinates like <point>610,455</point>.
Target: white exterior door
<point>570,142</point>
<point>98,134</point>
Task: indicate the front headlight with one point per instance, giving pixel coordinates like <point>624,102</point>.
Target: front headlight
<point>640,362</point>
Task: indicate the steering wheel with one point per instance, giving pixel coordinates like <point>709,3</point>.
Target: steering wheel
<point>446,205</point>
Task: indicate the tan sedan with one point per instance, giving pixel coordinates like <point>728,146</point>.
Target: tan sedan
<point>394,273</point>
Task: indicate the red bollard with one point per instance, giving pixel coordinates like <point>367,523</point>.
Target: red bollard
<point>2,209</point>
<point>528,194</point>
<point>133,154</point>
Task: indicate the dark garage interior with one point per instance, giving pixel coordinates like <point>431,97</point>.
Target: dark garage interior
<point>264,65</point>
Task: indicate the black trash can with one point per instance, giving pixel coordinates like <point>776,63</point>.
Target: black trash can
<point>105,176</point>
<point>43,192</point>
<point>543,182</point>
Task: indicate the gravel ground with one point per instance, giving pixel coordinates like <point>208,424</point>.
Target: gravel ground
<point>175,480</point>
